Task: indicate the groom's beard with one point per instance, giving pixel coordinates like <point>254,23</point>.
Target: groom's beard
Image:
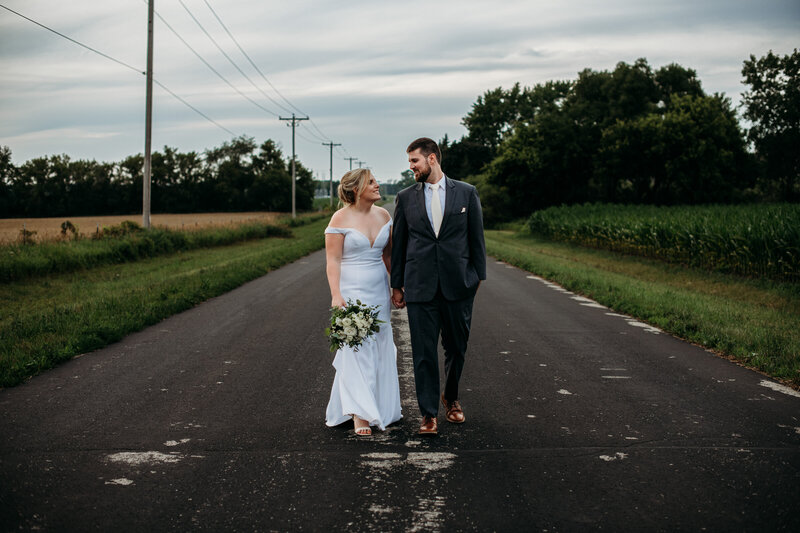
<point>422,177</point>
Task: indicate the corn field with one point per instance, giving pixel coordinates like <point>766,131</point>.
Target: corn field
<point>757,240</point>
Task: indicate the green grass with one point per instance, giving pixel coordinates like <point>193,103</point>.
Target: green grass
<point>126,243</point>
<point>755,322</point>
<point>758,240</point>
<point>52,318</point>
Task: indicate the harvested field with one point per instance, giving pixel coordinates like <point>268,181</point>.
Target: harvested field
<point>48,229</point>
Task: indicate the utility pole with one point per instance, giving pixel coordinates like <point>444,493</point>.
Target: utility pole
<point>294,120</point>
<point>148,123</point>
<point>360,163</point>
<point>351,159</point>
<point>331,144</point>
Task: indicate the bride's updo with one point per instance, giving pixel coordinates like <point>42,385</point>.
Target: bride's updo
<point>353,184</point>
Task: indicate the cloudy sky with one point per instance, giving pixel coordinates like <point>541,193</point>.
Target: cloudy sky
<point>372,75</point>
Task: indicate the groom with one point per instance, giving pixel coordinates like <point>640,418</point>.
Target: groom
<point>438,261</point>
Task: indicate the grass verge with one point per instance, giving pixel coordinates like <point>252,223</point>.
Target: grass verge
<point>50,319</point>
<point>754,322</point>
<point>24,261</point>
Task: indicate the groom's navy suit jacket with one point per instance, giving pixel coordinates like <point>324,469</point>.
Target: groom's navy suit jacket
<point>455,261</point>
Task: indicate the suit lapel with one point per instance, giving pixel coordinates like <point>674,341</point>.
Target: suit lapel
<point>450,201</point>
<point>419,194</point>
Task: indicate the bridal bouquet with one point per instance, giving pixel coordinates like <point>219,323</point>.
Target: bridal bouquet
<point>352,324</point>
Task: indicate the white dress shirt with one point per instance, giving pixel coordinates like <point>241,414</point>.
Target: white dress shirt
<point>429,196</point>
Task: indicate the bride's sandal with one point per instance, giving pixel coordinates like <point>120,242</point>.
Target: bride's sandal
<point>362,431</point>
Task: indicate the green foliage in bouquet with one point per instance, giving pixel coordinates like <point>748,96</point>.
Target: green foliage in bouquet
<point>352,324</point>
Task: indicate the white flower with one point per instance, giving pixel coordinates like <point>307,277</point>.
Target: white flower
<point>350,331</point>
<point>338,321</point>
<point>346,322</point>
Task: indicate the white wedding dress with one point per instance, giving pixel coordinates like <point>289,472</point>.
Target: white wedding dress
<point>366,383</point>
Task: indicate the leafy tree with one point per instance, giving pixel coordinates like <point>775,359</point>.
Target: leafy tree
<point>407,179</point>
<point>8,176</point>
<point>692,153</point>
<point>675,80</point>
<point>772,103</point>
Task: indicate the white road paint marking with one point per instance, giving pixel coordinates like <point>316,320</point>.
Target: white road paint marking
<point>431,461</point>
<point>615,377</point>
<point>565,392</point>
<point>531,416</point>
<point>647,327</point>
<point>505,353</point>
<point>176,442</point>
<point>617,456</point>
<point>777,387</point>
<point>120,481</point>
<point>428,515</point>
<point>796,430</point>
<point>143,458</point>
<point>595,305</point>
<point>582,299</point>
<point>429,468</point>
<point>377,509</point>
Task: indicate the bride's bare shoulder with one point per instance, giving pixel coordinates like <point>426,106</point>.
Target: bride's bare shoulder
<point>340,218</point>
<point>385,216</point>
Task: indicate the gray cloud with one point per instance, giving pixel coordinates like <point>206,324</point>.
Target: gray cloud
<point>373,75</point>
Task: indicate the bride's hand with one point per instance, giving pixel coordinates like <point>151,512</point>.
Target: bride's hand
<point>338,301</point>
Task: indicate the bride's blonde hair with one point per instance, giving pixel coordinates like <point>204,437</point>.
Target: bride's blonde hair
<point>352,186</point>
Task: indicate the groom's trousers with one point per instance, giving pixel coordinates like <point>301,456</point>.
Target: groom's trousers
<point>426,320</point>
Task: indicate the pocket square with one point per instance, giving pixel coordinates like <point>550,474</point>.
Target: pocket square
<point>463,209</point>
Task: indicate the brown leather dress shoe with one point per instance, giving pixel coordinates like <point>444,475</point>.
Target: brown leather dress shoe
<point>429,426</point>
<point>453,411</point>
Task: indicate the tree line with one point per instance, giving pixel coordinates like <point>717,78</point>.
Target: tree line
<point>237,176</point>
<point>632,135</point>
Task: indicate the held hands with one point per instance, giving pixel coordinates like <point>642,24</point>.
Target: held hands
<point>398,298</point>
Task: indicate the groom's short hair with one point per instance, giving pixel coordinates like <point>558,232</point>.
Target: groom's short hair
<point>427,147</point>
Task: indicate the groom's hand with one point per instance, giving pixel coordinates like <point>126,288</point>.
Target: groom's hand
<point>398,298</point>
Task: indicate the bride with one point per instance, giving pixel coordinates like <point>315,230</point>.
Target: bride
<point>358,248</point>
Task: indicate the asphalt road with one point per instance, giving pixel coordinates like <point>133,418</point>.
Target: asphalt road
<point>577,419</point>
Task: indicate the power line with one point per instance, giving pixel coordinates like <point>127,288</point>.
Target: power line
<point>206,63</point>
<point>231,61</point>
<point>74,41</point>
<point>324,137</point>
<point>321,135</point>
<point>126,65</point>
<point>193,108</point>
<point>251,61</point>
<point>310,141</point>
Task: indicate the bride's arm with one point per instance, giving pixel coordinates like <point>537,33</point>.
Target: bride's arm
<point>387,255</point>
<point>334,243</point>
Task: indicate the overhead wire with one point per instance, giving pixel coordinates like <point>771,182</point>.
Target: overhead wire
<point>124,64</point>
<point>251,61</point>
<point>320,135</point>
<point>215,71</point>
<point>253,64</point>
<point>231,61</point>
